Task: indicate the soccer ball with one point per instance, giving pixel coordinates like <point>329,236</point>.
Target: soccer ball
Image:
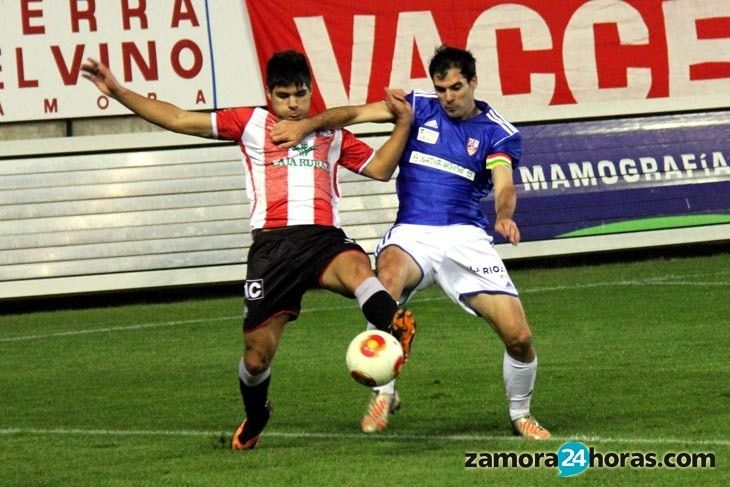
<point>374,358</point>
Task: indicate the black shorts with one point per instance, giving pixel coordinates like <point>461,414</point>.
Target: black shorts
<point>283,264</point>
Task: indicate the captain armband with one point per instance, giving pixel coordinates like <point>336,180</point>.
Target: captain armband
<point>499,159</point>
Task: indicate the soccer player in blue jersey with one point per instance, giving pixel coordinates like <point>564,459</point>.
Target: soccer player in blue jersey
<point>459,149</point>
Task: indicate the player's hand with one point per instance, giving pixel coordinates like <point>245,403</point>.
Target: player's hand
<point>396,93</point>
<point>100,75</point>
<point>395,99</point>
<point>508,229</point>
<point>288,133</point>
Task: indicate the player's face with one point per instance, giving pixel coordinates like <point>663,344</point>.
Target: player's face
<point>290,102</point>
<point>456,94</point>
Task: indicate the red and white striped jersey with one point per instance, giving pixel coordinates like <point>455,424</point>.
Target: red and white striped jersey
<point>295,186</point>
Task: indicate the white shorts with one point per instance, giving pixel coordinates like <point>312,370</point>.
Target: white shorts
<point>459,258</point>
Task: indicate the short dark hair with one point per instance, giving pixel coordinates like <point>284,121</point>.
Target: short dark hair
<point>287,68</point>
<point>446,57</point>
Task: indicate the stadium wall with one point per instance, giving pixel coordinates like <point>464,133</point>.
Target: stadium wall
<point>98,216</point>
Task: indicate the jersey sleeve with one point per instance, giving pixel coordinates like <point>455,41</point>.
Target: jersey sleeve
<point>228,124</point>
<point>416,99</point>
<point>355,154</point>
<point>506,152</point>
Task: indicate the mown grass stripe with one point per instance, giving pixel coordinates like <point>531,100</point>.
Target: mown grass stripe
<point>346,305</point>
<point>380,437</point>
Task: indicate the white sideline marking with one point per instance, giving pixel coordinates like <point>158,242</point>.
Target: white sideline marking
<point>651,281</point>
<point>116,328</point>
<point>361,436</point>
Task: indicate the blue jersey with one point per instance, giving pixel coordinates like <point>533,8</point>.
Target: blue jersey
<point>446,166</point>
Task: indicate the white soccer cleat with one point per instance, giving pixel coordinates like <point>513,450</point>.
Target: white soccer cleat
<point>529,428</point>
<point>381,406</point>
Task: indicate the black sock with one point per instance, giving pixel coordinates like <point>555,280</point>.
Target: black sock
<point>254,401</point>
<point>379,310</point>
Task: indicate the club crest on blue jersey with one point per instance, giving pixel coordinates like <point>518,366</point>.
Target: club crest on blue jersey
<point>472,145</point>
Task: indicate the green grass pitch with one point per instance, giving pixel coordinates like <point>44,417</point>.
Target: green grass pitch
<point>633,358</point>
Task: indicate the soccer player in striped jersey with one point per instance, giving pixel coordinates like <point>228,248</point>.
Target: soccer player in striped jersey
<point>459,150</point>
<point>294,194</point>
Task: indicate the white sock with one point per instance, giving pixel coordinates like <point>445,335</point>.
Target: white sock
<point>388,388</point>
<point>367,288</point>
<point>519,380</point>
<point>252,380</point>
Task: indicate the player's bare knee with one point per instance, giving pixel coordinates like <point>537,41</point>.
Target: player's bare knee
<point>393,277</point>
<point>519,344</point>
<point>362,270</point>
<point>391,282</point>
<point>397,271</point>
<point>255,362</point>
<point>348,271</point>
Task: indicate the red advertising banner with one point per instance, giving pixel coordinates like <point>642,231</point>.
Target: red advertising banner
<point>536,60</point>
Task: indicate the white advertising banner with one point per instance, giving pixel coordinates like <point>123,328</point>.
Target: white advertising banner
<point>197,54</point>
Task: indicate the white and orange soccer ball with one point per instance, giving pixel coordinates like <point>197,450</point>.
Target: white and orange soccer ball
<point>374,358</point>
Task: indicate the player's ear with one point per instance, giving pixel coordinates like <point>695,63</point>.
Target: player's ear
<point>474,82</point>
<point>268,95</point>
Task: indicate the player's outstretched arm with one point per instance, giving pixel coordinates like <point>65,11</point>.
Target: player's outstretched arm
<point>288,133</point>
<point>505,203</point>
<point>158,112</point>
<point>386,158</point>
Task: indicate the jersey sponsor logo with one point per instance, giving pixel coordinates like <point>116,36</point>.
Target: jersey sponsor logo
<point>472,145</point>
<point>440,164</point>
<point>428,136</point>
<point>304,148</point>
<point>254,289</point>
<point>301,162</point>
<point>303,159</point>
<point>492,269</point>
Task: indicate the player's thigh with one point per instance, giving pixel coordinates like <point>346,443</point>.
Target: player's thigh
<point>471,271</point>
<point>505,314</point>
<point>407,258</point>
<point>347,271</point>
